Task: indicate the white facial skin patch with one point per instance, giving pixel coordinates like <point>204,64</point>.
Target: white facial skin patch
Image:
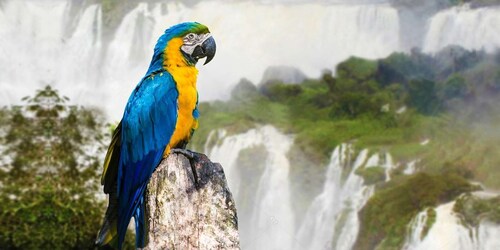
<point>192,40</point>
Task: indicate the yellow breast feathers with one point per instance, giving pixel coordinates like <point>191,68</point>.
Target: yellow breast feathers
<point>185,78</point>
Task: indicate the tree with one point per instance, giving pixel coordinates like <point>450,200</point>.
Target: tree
<point>422,96</point>
<point>454,87</point>
<point>48,174</point>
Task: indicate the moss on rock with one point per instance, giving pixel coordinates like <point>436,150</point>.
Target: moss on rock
<point>371,175</point>
<point>472,210</point>
<point>387,214</point>
<point>431,219</point>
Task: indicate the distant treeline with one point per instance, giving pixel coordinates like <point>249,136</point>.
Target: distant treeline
<point>430,84</point>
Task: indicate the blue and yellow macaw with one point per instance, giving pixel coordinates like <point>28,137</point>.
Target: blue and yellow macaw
<point>161,114</point>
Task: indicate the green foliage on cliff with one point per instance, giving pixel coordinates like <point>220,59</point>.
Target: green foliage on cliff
<point>386,215</point>
<point>449,100</point>
<point>473,210</point>
<point>371,175</point>
<point>393,104</point>
<point>431,219</point>
<point>323,113</point>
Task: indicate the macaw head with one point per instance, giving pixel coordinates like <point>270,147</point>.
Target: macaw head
<point>183,44</point>
<point>197,42</point>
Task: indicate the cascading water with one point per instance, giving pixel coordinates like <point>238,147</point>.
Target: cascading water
<point>45,42</point>
<point>449,233</point>
<point>331,221</point>
<point>267,221</point>
<point>416,230</point>
<point>251,35</point>
<point>266,218</point>
<point>36,47</point>
<point>469,28</point>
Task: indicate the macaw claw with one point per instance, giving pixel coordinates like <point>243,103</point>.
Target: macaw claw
<point>188,153</point>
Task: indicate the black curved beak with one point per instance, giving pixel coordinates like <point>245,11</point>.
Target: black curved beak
<point>206,49</point>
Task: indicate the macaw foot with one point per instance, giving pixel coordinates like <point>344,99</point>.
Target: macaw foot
<point>191,157</point>
<point>188,153</point>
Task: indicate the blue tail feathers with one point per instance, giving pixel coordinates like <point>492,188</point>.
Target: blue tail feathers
<point>140,226</point>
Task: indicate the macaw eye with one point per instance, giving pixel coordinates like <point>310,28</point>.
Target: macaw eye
<point>191,36</point>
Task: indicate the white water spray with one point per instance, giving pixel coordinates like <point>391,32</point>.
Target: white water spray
<point>449,233</point>
<point>36,48</point>
<point>469,28</point>
<point>319,223</point>
<point>416,229</point>
<point>269,224</point>
<point>332,222</point>
<point>39,45</point>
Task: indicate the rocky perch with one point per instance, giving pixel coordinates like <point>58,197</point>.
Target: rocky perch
<point>189,206</point>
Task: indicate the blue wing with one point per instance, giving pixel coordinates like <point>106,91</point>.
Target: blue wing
<point>147,126</point>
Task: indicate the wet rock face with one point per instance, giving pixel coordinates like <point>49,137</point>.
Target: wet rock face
<point>189,206</point>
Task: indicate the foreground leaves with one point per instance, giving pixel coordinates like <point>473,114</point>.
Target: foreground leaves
<point>48,175</point>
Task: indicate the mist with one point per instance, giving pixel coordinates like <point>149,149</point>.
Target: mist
<point>339,124</point>
<point>104,53</point>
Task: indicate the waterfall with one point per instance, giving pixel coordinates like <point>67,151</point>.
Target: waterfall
<point>331,220</point>
<point>410,167</point>
<point>386,162</point>
<point>48,42</point>
<point>44,42</point>
<point>488,236</point>
<point>416,229</point>
<point>43,35</point>
<point>264,211</point>
<point>36,49</point>
<point>449,233</point>
<point>464,26</point>
<point>257,169</point>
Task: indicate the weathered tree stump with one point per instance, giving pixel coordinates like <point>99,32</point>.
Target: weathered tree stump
<point>189,206</point>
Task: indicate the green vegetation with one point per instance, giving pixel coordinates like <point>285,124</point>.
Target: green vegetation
<point>473,210</point>
<point>49,174</point>
<point>371,175</point>
<point>318,111</point>
<point>431,219</point>
<point>391,104</point>
<point>109,5</point>
<point>241,113</point>
<point>44,179</point>
<point>49,164</point>
<point>386,215</point>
